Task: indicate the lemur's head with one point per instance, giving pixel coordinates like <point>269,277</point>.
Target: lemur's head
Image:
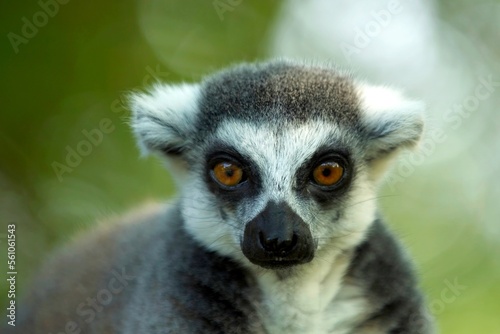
<point>276,161</point>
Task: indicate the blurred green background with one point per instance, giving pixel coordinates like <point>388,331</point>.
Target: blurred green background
<point>71,75</point>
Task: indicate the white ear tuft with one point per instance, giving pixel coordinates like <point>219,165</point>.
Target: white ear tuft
<point>389,120</point>
<point>163,119</point>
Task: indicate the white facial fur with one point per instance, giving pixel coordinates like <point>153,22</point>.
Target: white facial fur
<point>278,155</point>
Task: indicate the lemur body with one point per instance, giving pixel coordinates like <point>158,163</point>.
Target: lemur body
<point>276,228</point>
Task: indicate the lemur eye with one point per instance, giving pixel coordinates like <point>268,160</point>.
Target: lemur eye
<point>328,173</point>
<point>227,174</point>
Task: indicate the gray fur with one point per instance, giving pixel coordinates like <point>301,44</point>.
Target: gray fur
<point>185,268</point>
<point>277,92</point>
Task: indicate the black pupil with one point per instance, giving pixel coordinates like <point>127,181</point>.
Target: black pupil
<point>229,172</point>
<point>326,171</point>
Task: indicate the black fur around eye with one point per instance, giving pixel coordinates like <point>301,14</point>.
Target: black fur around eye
<point>231,175</point>
<point>326,176</point>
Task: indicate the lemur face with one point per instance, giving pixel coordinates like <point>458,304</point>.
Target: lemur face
<point>282,188</point>
<point>276,162</point>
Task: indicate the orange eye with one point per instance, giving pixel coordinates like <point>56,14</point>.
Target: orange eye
<point>328,174</point>
<point>228,174</point>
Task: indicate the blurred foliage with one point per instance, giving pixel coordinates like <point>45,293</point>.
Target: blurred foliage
<point>72,75</point>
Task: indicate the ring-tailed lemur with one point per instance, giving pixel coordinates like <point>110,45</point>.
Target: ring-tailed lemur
<point>276,229</point>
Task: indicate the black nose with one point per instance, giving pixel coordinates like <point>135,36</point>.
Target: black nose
<point>279,245</point>
<point>277,238</point>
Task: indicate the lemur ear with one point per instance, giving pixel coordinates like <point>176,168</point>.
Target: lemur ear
<point>389,121</point>
<point>163,119</point>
